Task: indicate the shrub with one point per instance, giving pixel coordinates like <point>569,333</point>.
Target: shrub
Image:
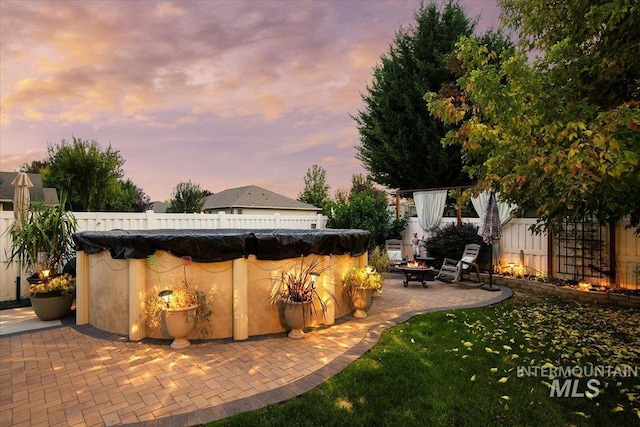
<point>449,242</point>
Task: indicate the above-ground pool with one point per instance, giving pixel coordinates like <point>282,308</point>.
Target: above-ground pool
<point>237,268</point>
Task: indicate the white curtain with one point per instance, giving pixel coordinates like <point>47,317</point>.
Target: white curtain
<point>430,206</point>
<point>504,209</point>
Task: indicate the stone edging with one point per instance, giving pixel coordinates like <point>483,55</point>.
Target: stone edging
<point>588,297</point>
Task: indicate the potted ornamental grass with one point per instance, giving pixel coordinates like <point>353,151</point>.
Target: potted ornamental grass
<point>295,290</point>
<point>41,242</point>
<point>359,284</point>
<point>180,307</point>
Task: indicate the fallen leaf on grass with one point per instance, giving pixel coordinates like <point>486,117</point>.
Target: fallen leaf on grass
<point>617,409</point>
<point>503,380</point>
<point>473,378</point>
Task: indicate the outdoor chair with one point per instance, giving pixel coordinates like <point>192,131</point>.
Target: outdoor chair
<point>455,271</point>
<point>393,247</point>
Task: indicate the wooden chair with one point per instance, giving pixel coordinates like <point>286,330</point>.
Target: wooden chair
<point>453,271</point>
<point>393,247</point>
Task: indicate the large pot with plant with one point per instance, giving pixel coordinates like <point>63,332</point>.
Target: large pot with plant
<point>360,283</point>
<point>181,307</point>
<point>295,291</point>
<point>42,242</point>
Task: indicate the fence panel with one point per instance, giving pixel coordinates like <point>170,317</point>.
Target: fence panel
<point>103,221</point>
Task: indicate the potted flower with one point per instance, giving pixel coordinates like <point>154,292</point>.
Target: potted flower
<point>182,307</point>
<point>295,289</point>
<point>51,298</point>
<point>359,284</point>
<point>41,242</point>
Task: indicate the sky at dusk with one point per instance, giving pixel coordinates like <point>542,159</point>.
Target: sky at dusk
<point>222,93</point>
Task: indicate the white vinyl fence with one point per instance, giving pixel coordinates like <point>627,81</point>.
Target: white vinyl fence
<point>516,237</point>
<point>102,221</point>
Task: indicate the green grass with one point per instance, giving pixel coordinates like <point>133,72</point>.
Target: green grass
<point>459,368</point>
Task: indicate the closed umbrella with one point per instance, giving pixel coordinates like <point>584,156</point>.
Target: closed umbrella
<point>21,197</point>
<point>21,200</point>
<point>491,232</point>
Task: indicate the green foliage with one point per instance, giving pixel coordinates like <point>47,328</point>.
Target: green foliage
<point>42,239</point>
<point>560,137</point>
<point>400,139</point>
<point>591,47</point>
<point>63,283</point>
<point>187,198</point>
<point>362,277</point>
<point>364,208</point>
<point>316,189</point>
<point>378,259</point>
<point>179,296</point>
<point>84,171</point>
<point>450,240</point>
<point>130,198</point>
<point>436,369</point>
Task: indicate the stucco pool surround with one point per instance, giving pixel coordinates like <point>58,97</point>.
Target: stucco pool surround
<point>237,268</point>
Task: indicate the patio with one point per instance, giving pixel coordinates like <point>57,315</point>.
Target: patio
<point>77,375</point>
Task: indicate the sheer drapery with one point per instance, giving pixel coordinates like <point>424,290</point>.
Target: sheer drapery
<point>430,206</point>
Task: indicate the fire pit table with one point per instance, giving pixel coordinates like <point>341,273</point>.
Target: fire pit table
<point>417,274</point>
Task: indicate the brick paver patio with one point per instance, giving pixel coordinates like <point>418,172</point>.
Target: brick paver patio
<point>78,376</point>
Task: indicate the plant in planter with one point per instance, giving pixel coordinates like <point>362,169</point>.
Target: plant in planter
<point>182,307</point>
<point>379,260</point>
<point>295,289</point>
<point>41,241</point>
<point>51,298</point>
<point>359,284</point>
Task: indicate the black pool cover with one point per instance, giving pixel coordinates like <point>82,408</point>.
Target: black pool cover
<point>224,244</point>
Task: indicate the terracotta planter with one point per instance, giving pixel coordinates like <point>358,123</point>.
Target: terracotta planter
<point>297,315</point>
<point>180,323</point>
<point>51,305</point>
<point>360,301</point>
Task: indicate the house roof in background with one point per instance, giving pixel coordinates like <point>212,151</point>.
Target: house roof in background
<point>252,196</point>
<point>38,194</point>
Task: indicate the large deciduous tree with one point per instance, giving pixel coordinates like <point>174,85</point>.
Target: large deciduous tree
<point>400,139</point>
<point>88,174</point>
<point>558,136</point>
<point>187,197</point>
<point>316,189</point>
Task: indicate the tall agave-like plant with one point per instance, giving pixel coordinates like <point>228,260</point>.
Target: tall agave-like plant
<point>42,240</point>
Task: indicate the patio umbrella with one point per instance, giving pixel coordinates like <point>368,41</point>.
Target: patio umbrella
<point>21,200</point>
<point>491,232</point>
<point>21,197</point>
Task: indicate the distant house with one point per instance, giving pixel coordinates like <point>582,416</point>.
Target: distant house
<point>255,200</point>
<point>158,207</point>
<point>38,193</point>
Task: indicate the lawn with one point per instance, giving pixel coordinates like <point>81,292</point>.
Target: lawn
<point>467,368</point>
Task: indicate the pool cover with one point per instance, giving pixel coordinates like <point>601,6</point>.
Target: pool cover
<point>224,244</point>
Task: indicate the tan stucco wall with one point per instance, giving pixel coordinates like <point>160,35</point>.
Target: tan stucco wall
<point>109,290</point>
<point>109,293</point>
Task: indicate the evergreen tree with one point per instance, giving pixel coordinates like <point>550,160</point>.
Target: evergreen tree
<point>400,139</point>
